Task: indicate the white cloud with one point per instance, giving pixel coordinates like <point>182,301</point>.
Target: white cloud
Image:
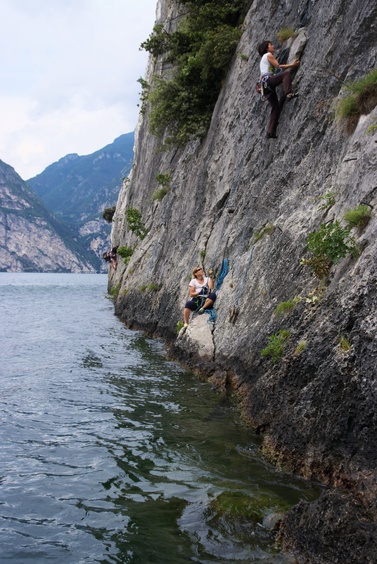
<point>68,76</point>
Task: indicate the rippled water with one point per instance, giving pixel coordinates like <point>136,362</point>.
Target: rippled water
<point>111,453</point>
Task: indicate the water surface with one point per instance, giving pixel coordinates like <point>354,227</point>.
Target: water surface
<point>111,453</point>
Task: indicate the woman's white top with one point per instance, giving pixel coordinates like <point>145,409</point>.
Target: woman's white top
<point>265,65</point>
<point>199,285</point>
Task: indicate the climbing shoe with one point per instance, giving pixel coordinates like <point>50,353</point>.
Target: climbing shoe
<point>272,136</point>
<point>201,311</point>
<point>292,95</point>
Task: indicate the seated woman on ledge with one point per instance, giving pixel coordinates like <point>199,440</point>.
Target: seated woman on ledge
<point>201,297</point>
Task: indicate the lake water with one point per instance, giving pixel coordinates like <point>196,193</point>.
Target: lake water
<point>109,452</point>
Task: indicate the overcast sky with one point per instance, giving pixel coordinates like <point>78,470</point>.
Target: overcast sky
<point>68,76</point>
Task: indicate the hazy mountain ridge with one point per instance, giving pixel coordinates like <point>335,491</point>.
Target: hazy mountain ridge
<point>78,188</point>
<point>32,239</point>
<point>75,190</point>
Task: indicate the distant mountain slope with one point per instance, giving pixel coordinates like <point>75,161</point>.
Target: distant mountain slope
<point>78,188</point>
<point>31,239</point>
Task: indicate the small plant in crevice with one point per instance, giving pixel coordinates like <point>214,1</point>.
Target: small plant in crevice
<point>284,34</point>
<point>372,129</point>
<point>276,345</point>
<point>344,344</point>
<point>300,347</point>
<point>316,295</point>
<point>286,307</point>
<point>328,200</point>
<point>134,220</point>
<point>202,254</point>
<point>179,326</point>
<point>259,233</point>
<point>152,286</point>
<point>327,246</point>
<point>358,217</point>
<point>361,99</point>
<point>126,253</point>
<point>163,181</point>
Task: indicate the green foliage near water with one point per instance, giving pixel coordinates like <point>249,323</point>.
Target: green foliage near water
<point>114,291</point>
<point>361,98</point>
<point>199,52</point>
<point>135,223</point>
<point>276,345</point>
<point>327,246</point>
<point>359,216</point>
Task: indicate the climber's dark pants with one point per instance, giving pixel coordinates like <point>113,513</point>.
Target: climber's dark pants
<point>284,78</point>
<point>196,303</point>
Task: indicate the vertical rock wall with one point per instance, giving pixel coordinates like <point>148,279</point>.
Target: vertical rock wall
<point>316,407</point>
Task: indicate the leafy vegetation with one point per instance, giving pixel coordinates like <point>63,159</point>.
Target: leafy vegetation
<point>180,324</point>
<point>276,345</point>
<point>135,223</point>
<point>358,217</point>
<point>108,214</point>
<point>145,87</point>
<point>361,99</point>
<point>126,253</point>
<point>199,52</point>
<point>328,245</point>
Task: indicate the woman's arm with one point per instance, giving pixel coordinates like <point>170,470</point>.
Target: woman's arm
<point>211,283</point>
<point>275,63</point>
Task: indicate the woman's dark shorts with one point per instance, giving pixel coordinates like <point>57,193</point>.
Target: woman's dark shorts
<point>197,303</point>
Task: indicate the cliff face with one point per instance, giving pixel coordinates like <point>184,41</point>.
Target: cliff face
<point>255,201</point>
<point>30,238</point>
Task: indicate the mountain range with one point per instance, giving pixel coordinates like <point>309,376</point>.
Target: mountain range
<point>53,222</point>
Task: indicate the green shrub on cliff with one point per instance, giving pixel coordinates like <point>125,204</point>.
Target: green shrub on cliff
<point>198,53</point>
<point>108,214</point>
<point>135,223</point>
<point>276,345</point>
<point>361,99</point>
<point>327,246</point>
<point>126,253</point>
<point>359,216</point>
